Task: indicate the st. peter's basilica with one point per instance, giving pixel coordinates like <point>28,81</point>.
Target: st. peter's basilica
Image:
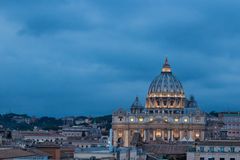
<point>168,115</point>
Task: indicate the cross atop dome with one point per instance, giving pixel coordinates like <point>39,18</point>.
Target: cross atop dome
<point>166,67</point>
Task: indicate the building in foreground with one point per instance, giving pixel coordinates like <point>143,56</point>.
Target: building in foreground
<point>168,115</point>
<point>56,151</point>
<point>214,128</point>
<point>16,154</point>
<point>38,136</point>
<point>104,153</point>
<point>231,122</point>
<point>215,150</point>
<point>97,152</point>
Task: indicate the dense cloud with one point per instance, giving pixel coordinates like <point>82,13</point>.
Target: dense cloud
<point>65,57</point>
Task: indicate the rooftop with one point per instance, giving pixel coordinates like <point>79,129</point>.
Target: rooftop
<point>16,153</point>
<point>220,143</point>
<point>162,149</point>
<point>93,150</point>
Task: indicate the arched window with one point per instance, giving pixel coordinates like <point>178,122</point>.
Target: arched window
<point>165,103</point>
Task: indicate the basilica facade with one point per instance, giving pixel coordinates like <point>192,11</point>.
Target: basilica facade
<point>168,116</point>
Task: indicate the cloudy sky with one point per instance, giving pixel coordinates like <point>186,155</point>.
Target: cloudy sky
<point>89,57</point>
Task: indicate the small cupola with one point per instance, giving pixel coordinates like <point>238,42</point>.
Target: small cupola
<point>136,106</point>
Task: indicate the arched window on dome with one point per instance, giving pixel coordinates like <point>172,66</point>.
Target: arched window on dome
<point>164,102</point>
<point>177,102</point>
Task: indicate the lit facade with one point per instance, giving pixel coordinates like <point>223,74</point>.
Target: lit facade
<point>168,116</point>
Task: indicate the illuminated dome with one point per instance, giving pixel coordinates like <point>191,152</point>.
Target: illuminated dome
<point>166,82</point>
<point>165,91</point>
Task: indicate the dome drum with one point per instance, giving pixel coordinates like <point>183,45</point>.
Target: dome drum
<point>179,95</point>
<point>165,102</point>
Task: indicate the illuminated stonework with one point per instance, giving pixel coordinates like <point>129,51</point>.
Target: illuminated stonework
<point>168,116</point>
<point>165,91</point>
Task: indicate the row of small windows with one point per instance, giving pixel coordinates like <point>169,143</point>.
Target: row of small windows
<point>140,119</point>
<point>166,102</point>
<point>220,149</point>
<point>202,158</point>
<point>166,111</point>
<point>232,124</point>
<point>47,140</point>
<point>232,127</point>
<point>235,119</point>
<point>233,132</point>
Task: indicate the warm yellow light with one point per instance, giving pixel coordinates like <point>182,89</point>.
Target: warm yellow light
<point>120,134</point>
<point>165,119</point>
<point>158,134</point>
<point>176,119</point>
<point>197,135</point>
<point>151,119</point>
<point>185,120</point>
<point>166,70</point>
<point>140,119</point>
<point>131,119</point>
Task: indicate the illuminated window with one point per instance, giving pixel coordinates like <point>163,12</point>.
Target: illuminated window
<point>197,135</point>
<point>158,133</point>
<point>120,134</point>
<point>165,119</point>
<point>176,119</point>
<point>140,119</point>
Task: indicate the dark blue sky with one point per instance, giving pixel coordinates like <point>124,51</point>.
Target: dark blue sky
<point>76,57</point>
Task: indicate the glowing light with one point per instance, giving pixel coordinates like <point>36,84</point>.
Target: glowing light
<point>176,119</point>
<point>185,120</point>
<point>158,133</point>
<point>131,119</point>
<point>151,119</point>
<point>140,119</point>
<point>120,134</point>
<point>166,69</point>
<point>197,135</point>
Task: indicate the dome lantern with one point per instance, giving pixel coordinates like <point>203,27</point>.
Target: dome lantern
<point>166,67</point>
